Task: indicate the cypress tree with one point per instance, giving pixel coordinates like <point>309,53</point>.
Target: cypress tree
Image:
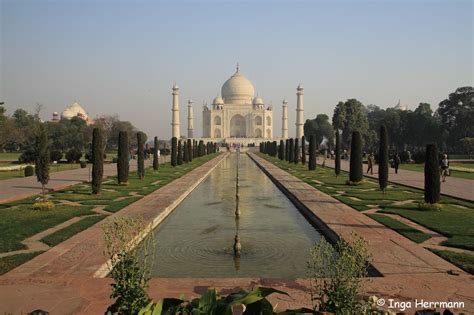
<point>281,150</point>
<point>291,151</point>
<point>201,148</point>
<point>287,150</point>
<point>275,148</point>
<point>312,153</point>
<point>97,159</point>
<point>185,152</point>
<point>297,151</point>
<point>337,162</point>
<point>261,147</point>
<point>42,158</point>
<point>190,150</point>
<point>155,154</point>
<point>180,153</point>
<point>141,139</point>
<point>355,174</point>
<point>383,158</point>
<point>174,151</point>
<point>432,176</point>
<point>123,157</point>
<point>303,150</point>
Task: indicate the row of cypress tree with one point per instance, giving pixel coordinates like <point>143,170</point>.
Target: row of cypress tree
<point>183,152</point>
<point>289,151</point>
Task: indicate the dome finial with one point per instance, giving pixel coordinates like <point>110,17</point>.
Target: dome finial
<point>237,67</point>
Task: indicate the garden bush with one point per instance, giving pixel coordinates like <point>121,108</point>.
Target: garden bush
<point>29,171</point>
<point>73,155</point>
<point>56,155</point>
<point>83,164</point>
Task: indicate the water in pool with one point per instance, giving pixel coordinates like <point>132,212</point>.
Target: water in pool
<point>197,239</point>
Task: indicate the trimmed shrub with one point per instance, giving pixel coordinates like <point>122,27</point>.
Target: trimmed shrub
<point>383,158</point>
<point>98,146</point>
<point>303,150</point>
<point>287,149</point>
<point>56,155</point>
<point>281,150</point>
<point>185,152</point>
<point>201,148</point>
<point>432,176</point>
<point>190,150</point>
<point>141,140</point>
<point>291,151</point>
<point>355,173</point>
<point>174,151</point>
<point>43,205</point>
<point>296,155</point>
<point>83,164</point>
<point>29,171</point>
<point>180,153</point>
<point>73,155</point>
<point>312,153</point>
<point>123,157</point>
<point>155,154</point>
<point>337,162</point>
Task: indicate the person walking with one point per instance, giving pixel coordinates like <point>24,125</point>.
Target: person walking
<point>370,163</point>
<point>396,162</point>
<point>444,168</point>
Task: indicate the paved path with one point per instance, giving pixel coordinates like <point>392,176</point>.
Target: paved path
<point>454,186</point>
<point>19,188</point>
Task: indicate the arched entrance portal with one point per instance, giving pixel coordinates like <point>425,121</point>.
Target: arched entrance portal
<point>237,126</point>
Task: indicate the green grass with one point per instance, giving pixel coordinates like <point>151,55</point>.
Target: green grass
<point>456,224</point>
<point>119,205</point>
<point>52,168</point>
<point>401,228</point>
<point>63,234</point>
<point>21,222</point>
<point>10,262</point>
<point>452,221</point>
<point>420,168</point>
<point>463,261</point>
<point>8,156</point>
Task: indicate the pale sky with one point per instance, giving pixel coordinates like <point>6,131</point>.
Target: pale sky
<point>122,57</point>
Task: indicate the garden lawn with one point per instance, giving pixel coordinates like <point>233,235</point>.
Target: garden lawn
<point>454,220</point>
<point>399,227</point>
<point>10,262</point>
<point>19,223</point>
<point>63,234</point>
<point>52,168</point>
<point>463,261</point>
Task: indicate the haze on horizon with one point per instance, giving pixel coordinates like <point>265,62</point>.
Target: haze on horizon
<point>122,57</point>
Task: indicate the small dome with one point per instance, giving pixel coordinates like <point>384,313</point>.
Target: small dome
<point>257,101</point>
<point>238,89</point>
<point>218,101</point>
<point>285,101</point>
<point>300,87</point>
<point>175,87</point>
<point>74,110</point>
<point>401,106</point>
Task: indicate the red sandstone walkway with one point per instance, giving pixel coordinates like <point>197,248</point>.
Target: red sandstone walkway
<point>454,186</point>
<point>19,188</point>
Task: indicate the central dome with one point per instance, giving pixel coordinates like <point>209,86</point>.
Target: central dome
<point>238,89</point>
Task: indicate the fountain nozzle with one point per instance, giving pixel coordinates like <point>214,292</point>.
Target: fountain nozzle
<point>237,245</point>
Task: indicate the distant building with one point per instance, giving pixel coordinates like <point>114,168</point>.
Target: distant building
<point>401,106</point>
<point>73,110</point>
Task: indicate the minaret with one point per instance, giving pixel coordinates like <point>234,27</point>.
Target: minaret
<point>190,120</point>
<point>299,112</point>
<point>284,120</point>
<point>175,110</point>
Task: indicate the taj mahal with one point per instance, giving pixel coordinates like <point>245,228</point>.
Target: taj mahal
<point>238,115</point>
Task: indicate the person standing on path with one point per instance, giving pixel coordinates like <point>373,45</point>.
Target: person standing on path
<point>396,162</point>
<point>370,163</point>
<point>444,168</point>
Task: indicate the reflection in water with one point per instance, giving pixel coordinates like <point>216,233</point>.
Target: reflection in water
<point>198,238</point>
